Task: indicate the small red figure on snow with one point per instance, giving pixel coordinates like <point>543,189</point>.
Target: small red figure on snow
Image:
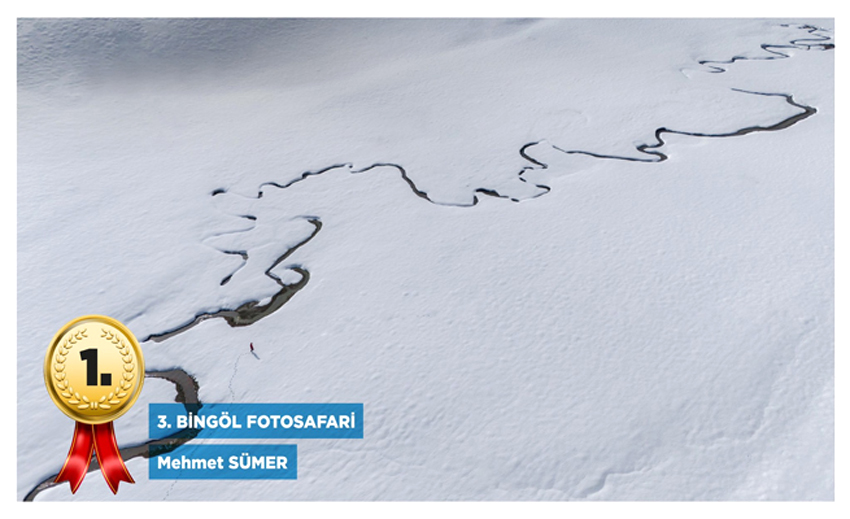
<point>252,347</point>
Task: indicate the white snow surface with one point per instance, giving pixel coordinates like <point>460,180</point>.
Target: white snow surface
<point>631,331</point>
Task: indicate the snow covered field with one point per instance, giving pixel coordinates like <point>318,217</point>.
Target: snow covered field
<point>489,251</point>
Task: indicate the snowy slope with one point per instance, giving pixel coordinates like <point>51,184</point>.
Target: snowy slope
<point>602,328</point>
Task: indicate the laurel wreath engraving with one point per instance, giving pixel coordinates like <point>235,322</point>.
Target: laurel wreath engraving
<point>105,402</point>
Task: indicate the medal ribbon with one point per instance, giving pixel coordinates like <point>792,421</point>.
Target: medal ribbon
<point>99,438</point>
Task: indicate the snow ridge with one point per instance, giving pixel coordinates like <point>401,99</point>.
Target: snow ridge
<point>251,311</point>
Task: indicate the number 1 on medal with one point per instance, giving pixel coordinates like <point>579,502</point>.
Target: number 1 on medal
<point>90,356</point>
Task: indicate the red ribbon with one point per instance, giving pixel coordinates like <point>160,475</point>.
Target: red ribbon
<point>99,438</point>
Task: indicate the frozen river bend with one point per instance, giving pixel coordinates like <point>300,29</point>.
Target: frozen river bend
<point>554,259</point>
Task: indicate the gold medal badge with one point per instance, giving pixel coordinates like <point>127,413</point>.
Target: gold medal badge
<point>94,372</point>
